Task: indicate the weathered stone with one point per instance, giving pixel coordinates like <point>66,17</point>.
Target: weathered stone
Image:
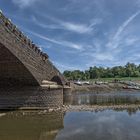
<point>21,61</point>
<point>30,98</point>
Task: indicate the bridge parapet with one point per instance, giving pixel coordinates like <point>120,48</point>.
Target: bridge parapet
<point>14,29</point>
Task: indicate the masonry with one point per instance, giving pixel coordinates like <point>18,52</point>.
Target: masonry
<point>21,60</point>
<point>30,98</point>
<point>23,64</point>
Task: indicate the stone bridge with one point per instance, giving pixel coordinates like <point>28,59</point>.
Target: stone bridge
<point>21,61</point>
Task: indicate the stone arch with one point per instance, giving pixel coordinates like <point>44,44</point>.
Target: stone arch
<point>13,71</point>
<point>57,79</point>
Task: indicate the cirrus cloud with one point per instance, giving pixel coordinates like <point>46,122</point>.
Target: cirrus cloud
<point>24,3</point>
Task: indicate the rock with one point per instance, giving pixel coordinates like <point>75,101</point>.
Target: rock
<point>45,111</point>
<point>2,114</point>
<point>50,110</point>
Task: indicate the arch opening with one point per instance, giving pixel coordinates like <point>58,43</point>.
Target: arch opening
<point>57,79</point>
<point>12,71</point>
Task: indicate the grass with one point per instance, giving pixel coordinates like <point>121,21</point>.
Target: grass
<point>112,79</point>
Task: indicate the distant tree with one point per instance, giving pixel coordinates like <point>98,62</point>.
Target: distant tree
<point>129,70</point>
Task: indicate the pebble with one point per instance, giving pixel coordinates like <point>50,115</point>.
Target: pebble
<point>50,110</point>
<point>2,114</point>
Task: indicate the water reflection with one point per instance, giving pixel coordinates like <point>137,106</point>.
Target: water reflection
<point>30,125</point>
<point>103,99</point>
<point>117,124</point>
<point>98,125</point>
<point>105,125</point>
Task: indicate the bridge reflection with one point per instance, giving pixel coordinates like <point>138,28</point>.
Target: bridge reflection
<point>30,125</point>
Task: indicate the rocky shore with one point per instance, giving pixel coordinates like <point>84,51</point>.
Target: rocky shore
<point>77,108</point>
<point>72,108</point>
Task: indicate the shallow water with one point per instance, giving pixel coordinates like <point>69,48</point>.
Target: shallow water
<point>101,125</point>
<point>117,98</point>
<point>106,125</point>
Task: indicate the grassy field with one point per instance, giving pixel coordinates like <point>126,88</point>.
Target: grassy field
<point>112,79</point>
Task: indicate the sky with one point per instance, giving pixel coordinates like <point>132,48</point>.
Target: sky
<point>77,34</point>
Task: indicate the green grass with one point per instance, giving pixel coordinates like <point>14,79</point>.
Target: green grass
<point>112,79</point>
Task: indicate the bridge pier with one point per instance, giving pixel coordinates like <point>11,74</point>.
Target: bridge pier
<point>30,98</point>
<point>23,68</point>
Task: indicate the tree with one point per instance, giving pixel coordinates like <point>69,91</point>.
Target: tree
<point>129,70</point>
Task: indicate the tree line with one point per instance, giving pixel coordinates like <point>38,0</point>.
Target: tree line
<point>129,70</point>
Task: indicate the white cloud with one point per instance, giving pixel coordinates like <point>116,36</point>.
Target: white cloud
<point>131,41</point>
<point>63,66</point>
<point>24,3</point>
<point>70,26</point>
<point>116,40</point>
<point>78,28</point>
<point>104,57</point>
<point>62,43</point>
<point>125,24</point>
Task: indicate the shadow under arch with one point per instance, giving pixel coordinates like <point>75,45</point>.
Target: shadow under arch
<point>12,71</point>
<point>58,80</point>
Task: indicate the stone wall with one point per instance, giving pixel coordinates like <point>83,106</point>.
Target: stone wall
<point>21,49</point>
<point>30,98</point>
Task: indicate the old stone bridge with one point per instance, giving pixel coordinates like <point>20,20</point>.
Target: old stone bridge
<point>22,63</point>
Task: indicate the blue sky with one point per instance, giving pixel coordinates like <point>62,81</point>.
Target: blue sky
<point>77,34</point>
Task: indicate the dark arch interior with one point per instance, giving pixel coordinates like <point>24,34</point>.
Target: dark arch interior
<point>57,79</point>
<point>12,71</point>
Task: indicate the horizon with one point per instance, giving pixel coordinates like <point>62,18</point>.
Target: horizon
<point>78,34</point>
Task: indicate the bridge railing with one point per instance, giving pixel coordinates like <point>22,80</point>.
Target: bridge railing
<point>11,27</point>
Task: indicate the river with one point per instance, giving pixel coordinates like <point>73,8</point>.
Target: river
<point>109,124</point>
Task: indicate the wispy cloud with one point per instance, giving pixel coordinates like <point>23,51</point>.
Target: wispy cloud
<point>63,66</point>
<point>131,41</point>
<point>125,24</point>
<point>115,41</point>
<point>24,3</point>
<point>80,28</point>
<point>85,30</point>
<point>62,43</point>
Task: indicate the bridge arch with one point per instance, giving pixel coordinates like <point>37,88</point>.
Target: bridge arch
<point>13,71</point>
<point>25,62</point>
<point>57,79</point>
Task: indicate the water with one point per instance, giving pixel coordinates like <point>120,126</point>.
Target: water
<point>117,98</point>
<point>106,125</point>
<point>117,124</point>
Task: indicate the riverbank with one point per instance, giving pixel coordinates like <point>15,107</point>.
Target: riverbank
<point>97,88</point>
<point>71,108</point>
<point>78,108</point>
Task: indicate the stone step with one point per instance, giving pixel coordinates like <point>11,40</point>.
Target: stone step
<point>67,87</point>
<point>46,82</point>
<point>51,86</point>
